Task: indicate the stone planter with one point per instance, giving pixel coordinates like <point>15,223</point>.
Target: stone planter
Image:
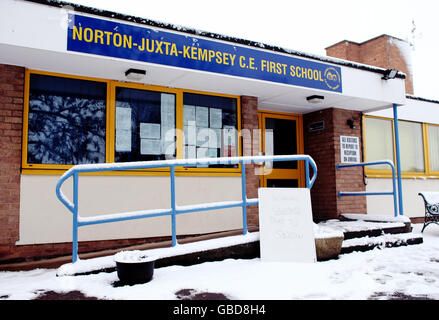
<point>328,247</point>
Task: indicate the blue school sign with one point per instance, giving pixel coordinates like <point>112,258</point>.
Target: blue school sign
<point>119,40</point>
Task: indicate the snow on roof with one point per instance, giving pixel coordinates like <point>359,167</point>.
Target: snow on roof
<point>207,34</point>
<point>413,97</point>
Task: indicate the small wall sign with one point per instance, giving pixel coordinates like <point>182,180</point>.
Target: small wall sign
<point>349,149</point>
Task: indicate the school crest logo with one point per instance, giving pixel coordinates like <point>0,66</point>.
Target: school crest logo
<point>332,78</point>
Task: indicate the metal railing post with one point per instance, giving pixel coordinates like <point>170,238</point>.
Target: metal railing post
<point>75,218</point>
<point>307,173</point>
<point>244,198</point>
<point>173,207</point>
<point>398,158</point>
<point>395,205</point>
<point>366,193</point>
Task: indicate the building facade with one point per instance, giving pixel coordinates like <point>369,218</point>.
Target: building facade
<point>84,86</point>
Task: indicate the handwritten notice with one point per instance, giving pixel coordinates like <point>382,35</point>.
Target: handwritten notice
<point>285,225</point>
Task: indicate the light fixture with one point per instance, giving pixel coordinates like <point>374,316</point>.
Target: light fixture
<point>135,74</point>
<point>315,99</point>
<point>390,74</point>
<point>351,123</point>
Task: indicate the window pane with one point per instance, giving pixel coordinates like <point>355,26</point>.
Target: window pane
<point>411,146</point>
<point>433,145</point>
<point>379,141</point>
<point>282,183</point>
<point>145,125</point>
<point>67,119</point>
<point>280,137</point>
<point>210,127</point>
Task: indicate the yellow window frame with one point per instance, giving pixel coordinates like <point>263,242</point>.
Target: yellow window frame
<point>429,172</point>
<point>375,173</point>
<point>55,169</point>
<point>48,168</point>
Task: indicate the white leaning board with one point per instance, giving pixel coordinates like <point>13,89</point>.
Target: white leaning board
<point>286,225</point>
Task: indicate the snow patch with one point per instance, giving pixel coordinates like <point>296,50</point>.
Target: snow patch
<point>325,232</point>
<point>376,218</point>
<point>353,226</point>
<point>380,240</point>
<point>406,52</point>
<point>89,265</point>
<point>133,256</point>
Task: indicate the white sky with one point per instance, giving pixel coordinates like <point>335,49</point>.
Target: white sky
<point>307,26</point>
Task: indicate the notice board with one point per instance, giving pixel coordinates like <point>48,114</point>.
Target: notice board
<point>285,225</point>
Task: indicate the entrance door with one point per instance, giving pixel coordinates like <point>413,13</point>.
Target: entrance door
<point>282,135</point>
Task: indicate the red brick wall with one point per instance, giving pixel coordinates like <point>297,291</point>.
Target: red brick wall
<point>250,146</point>
<point>346,50</point>
<point>320,146</point>
<point>11,115</point>
<point>381,52</point>
<point>348,179</point>
<point>324,147</point>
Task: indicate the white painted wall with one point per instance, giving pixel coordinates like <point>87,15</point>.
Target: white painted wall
<point>43,219</point>
<point>32,25</point>
<point>413,204</point>
<point>413,110</point>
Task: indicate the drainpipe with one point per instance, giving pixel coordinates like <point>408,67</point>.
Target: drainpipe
<point>398,159</point>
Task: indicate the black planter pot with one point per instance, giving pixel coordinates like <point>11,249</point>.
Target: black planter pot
<point>135,272</point>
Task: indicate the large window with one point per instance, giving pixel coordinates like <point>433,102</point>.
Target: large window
<point>145,125</point>
<point>210,127</point>
<point>77,120</point>
<point>378,141</point>
<point>66,121</point>
<point>412,146</point>
<point>433,146</point>
<point>419,146</point>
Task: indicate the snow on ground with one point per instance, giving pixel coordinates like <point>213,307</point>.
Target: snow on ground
<point>411,271</point>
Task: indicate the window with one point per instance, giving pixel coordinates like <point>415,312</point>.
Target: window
<point>378,141</point>
<point>411,146</point>
<point>66,121</point>
<point>70,120</point>
<point>210,126</point>
<point>433,146</point>
<point>145,125</point>
<point>418,144</point>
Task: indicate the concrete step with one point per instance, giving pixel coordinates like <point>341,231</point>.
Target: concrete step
<point>364,232</point>
<point>378,232</point>
<point>384,241</point>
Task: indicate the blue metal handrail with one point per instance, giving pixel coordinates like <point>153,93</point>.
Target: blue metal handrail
<point>373,193</point>
<point>174,210</point>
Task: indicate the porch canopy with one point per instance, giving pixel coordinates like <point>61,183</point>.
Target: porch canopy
<point>71,39</point>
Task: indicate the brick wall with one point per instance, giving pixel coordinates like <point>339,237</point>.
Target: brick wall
<point>250,146</point>
<point>11,115</point>
<point>383,52</point>
<point>324,147</point>
<point>346,50</point>
<point>348,179</point>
